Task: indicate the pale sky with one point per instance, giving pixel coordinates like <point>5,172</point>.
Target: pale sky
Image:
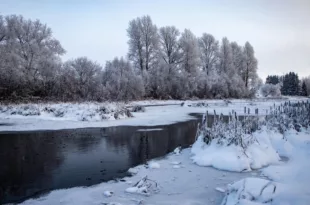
<point>279,30</point>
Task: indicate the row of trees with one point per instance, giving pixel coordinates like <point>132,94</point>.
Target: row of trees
<point>161,63</point>
<point>289,84</point>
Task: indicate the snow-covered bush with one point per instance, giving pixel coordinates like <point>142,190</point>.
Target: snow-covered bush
<point>239,145</point>
<point>68,111</point>
<point>24,110</point>
<point>270,90</point>
<point>123,113</point>
<point>194,104</point>
<point>57,112</point>
<point>138,108</point>
<point>289,116</point>
<point>234,145</point>
<point>234,131</point>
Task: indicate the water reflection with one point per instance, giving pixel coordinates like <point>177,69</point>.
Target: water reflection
<point>38,161</point>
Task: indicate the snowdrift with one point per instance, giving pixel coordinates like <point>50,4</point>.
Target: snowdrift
<point>256,191</point>
<point>235,158</point>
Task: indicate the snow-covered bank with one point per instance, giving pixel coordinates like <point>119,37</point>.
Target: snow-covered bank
<point>69,116</point>
<point>258,154</point>
<point>289,181</point>
<point>245,144</point>
<point>66,111</point>
<point>178,180</point>
<point>256,191</point>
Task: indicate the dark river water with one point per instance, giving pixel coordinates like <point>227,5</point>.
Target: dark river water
<point>35,162</point>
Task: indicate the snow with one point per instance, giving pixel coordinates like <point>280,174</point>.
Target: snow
<point>291,178</point>
<point>154,165</point>
<point>234,158</point>
<point>176,163</point>
<point>257,191</point>
<point>187,185</point>
<point>65,111</point>
<point>294,171</point>
<point>220,189</point>
<point>251,191</point>
<point>82,115</point>
<point>177,150</point>
<point>107,193</point>
<point>175,179</point>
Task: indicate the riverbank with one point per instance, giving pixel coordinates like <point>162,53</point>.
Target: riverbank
<point>178,180</point>
<point>69,116</point>
<point>175,179</point>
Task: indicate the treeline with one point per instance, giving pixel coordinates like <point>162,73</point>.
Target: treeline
<point>162,63</point>
<point>289,84</point>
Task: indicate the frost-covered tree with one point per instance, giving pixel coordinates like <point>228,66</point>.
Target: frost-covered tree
<point>161,64</point>
<point>84,77</point>
<point>270,90</point>
<point>27,47</point>
<point>250,69</point>
<point>209,48</point>
<point>238,58</point>
<point>189,52</point>
<point>121,81</point>
<point>143,42</point>
<point>228,69</point>
<point>190,62</point>
<point>169,46</point>
<point>225,58</point>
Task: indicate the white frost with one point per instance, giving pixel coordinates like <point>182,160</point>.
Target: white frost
<point>154,165</point>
